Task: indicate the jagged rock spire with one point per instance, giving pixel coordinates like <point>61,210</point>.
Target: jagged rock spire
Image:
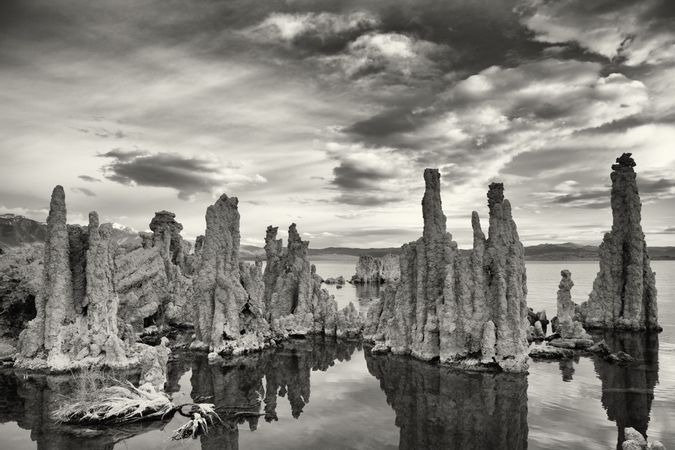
<point>54,305</point>
<point>624,292</point>
<point>458,307</point>
<point>229,317</point>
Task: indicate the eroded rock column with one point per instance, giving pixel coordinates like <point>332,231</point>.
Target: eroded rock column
<point>624,291</point>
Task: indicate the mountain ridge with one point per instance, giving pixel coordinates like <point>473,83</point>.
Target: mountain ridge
<point>17,230</point>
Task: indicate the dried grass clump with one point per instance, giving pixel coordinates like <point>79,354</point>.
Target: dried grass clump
<point>100,399</point>
<point>122,403</point>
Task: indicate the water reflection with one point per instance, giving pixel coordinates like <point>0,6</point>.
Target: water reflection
<point>628,391</point>
<point>434,406</point>
<point>29,400</point>
<point>254,384</point>
<point>440,408</point>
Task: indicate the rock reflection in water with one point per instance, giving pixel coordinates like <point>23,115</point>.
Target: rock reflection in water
<point>441,408</point>
<point>628,391</point>
<point>236,384</point>
<point>30,400</point>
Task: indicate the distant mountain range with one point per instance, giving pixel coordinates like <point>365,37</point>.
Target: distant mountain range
<point>16,230</point>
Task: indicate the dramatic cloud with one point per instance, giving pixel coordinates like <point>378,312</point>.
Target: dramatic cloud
<point>367,177</point>
<point>324,32</point>
<point>395,56</point>
<point>187,175</point>
<point>633,32</point>
<point>326,112</point>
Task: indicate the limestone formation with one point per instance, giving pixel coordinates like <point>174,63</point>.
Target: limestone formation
<point>154,365</point>
<point>152,278</point>
<point>370,269</point>
<point>467,309</point>
<point>166,235</point>
<point>230,315</point>
<point>76,321</point>
<point>568,327</point>
<point>20,284</point>
<point>624,291</point>
<point>296,302</point>
<point>54,304</point>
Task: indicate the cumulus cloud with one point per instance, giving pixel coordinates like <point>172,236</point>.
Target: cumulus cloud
<point>188,175</point>
<point>394,55</point>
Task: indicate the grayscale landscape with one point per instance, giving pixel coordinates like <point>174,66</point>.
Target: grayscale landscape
<point>308,224</point>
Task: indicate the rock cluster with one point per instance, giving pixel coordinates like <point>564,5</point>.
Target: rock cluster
<point>152,279</point>
<point>76,310</point>
<point>466,309</point>
<point>370,269</point>
<point>296,303</point>
<point>228,295</point>
<point>624,291</point>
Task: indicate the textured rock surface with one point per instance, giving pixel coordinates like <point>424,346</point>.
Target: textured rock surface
<point>54,305</point>
<point>624,291</point>
<point>230,318</point>
<point>568,327</point>
<point>468,309</point>
<point>150,278</point>
<point>20,284</point>
<point>76,321</point>
<point>296,303</point>
<point>154,365</point>
<point>370,269</point>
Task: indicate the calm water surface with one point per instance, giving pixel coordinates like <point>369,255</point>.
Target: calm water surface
<point>318,393</point>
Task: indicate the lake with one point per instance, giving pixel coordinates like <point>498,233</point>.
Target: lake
<point>321,393</point>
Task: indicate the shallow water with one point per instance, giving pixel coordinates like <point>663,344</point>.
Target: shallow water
<point>318,393</point>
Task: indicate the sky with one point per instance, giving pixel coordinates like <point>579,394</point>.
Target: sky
<point>325,113</point>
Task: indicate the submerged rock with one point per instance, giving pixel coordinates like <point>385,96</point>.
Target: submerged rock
<point>230,315</point>
<point>624,291</point>
<point>468,309</point>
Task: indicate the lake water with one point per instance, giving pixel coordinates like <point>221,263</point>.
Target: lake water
<point>323,394</point>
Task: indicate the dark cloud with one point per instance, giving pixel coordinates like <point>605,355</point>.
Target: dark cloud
<point>85,191</point>
<point>351,175</point>
<point>386,123</point>
<point>188,175</point>
<point>655,187</point>
<point>594,199</point>
<point>89,179</point>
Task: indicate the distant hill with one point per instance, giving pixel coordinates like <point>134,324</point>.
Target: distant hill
<point>16,230</point>
<point>542,252</point>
